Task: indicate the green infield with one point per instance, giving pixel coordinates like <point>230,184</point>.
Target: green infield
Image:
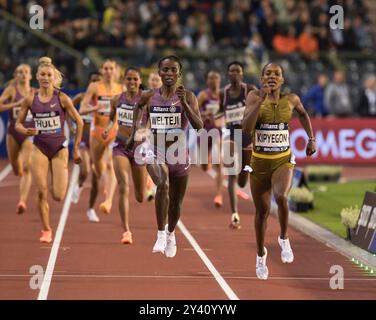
<point>331,197</point>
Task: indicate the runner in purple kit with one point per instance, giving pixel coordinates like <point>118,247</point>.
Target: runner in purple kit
<point>233,98</point>
<point>122,107</point>
<point>85,164</point>
<point>18,145</point>
<point>208,102</point>
<point>169,109</point>
<point>48,106</point>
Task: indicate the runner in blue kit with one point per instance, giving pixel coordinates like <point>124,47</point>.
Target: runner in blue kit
<point>233,105</point>
<point>169,109</point>
<point>18,145</point>
<point>48,106</point>
<point>122,107</point>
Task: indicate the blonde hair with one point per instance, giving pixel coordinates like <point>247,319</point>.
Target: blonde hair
<point>117,69</point>
<point>47,62</point>
<point>13,81</point>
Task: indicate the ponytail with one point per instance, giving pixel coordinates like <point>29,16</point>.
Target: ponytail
<point>47,62</point>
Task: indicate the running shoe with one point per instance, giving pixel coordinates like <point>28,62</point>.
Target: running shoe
<point>21,207</point>
<point>46,236</point>
<point>92,215</point>
<point>76,193</point>
<point>105,207</point>
<point>242,194</point>
<point>127,238</point>
<point>262,271</point>
<point>160,244</point>
<point>235,221</point>
<point>150,194</point>
<point>171,248</point>
<point>218,201</point>
<point>287,256</point>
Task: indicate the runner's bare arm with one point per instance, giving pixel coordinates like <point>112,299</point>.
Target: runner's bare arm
<point>114,103</point>
<point>25,106</point>
<point>305,122</point>
<point>8,95</point>
<point>190,106</point>
<point>201,98</point>
<point>85,106</point>
<point>78,98</point>
<point>252,107</point>
<point>67,104</point>
<point>138,108</point>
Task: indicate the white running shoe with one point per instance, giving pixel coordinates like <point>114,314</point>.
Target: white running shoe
<point>92,215</point>
<point>171,248</point>
<point>262,271</point>
<point>76,193</point>
<point>287,256</point>
<point>160,244</point>
<point>235,221</point>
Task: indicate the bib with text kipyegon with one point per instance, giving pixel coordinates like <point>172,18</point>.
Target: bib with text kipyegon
<point>165,119</point>
<point>125,115</point>
<point>104,104</point>
<point>272,137</point>
<point>234,113</point>
<point>16,110</point>
<point>47,122</point>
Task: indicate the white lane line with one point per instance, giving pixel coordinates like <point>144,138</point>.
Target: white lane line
<point>5,172</point>
<point>43,293</point>
<point>223,284</point>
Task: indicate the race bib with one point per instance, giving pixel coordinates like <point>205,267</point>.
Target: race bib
<point>165,121</point>
<point>16,110</point>
<point>165,118</point>
<point>234,116</point>
<point>213,107</point>
<point>125,115</point>
<point>87,118</point>
<point>29,116</point>
<point>47,123</point>
<point>272,137</point>
<point>104,106</point>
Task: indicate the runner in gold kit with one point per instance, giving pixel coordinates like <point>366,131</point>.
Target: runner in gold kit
<point>267,116</point>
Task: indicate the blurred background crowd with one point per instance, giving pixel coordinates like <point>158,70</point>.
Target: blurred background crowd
<point>332,69</point>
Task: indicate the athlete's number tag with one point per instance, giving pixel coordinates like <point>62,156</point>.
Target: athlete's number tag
<point>16,110</point>
<point>87,118</point>
<point>213,107</point>
<point>272,138</point>
<point>235,115</point>
<point>104,106</point>
<point>29,116</point>
<point>47,124</point>
<point>125,115</point>
<point>165,121</point>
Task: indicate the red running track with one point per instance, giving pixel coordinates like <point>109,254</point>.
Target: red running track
<point>92,264</point>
